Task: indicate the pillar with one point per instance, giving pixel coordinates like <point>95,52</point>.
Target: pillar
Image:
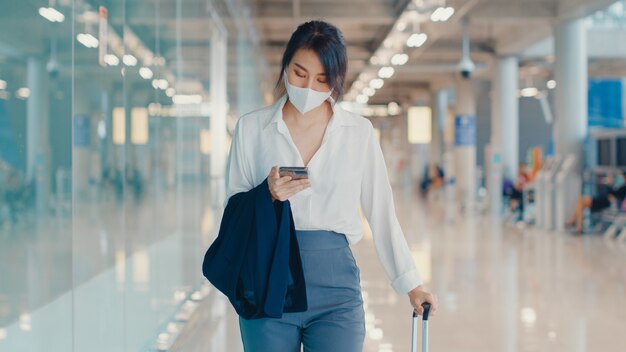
<point>570,126</point>
<point>465,144</point>
<point>38,144</point>
<point>504,142</point>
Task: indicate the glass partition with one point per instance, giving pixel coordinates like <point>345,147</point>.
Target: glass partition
<point>115,123</point>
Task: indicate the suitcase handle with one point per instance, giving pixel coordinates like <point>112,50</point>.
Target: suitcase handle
<point>426,307</point>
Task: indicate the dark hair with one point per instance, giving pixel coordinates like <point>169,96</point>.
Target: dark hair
<point>327,42</point>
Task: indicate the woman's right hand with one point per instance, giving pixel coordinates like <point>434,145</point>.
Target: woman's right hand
<point>282,188</point>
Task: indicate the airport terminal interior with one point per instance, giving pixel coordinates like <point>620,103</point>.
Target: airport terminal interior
<point>501,124</point>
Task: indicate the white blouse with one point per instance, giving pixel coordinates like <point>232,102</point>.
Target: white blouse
<point>348,170</point>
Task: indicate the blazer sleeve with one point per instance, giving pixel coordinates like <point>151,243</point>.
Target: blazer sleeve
<point>378,207</point>
<point>238,175</point>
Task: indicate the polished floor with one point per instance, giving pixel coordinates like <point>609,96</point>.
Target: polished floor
<point>501,288</point>
<point>104,275</point>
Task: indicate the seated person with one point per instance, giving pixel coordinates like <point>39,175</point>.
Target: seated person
<point>608,192</point>
<point>517,191</point>
<point>433,178</point>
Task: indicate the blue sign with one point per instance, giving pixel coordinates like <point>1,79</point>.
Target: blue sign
<point>82,131</point>
<point>605,103</point>
<point>465,130</point>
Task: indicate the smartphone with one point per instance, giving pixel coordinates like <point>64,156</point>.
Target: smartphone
<point>296,172</point>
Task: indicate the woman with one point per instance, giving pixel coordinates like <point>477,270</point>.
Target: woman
<point>517,191</point>
<point>609,192</point>
<point>346,168</point>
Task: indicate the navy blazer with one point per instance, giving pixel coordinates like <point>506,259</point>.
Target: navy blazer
<point>255,259</point>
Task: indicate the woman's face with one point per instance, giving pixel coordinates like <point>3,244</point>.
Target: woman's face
<point>306,71</point>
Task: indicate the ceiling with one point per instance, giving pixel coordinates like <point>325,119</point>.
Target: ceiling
<point>495,27</point>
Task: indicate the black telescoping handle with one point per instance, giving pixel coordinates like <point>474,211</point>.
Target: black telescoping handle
<point>426,307</point>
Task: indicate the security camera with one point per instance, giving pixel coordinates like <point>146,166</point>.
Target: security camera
<point>466,67</point>
<point>53,67</point>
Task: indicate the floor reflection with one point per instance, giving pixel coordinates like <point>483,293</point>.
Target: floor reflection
<point>501,288</point>
<point>110,277</point>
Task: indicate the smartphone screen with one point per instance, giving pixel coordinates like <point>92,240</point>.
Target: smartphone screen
<point>296,172</point>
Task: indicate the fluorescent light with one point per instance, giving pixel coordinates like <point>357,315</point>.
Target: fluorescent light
<point>119,126</point>
<point>87,40</point>
<point>23,93</point>
<point>362,99</point>
<point>416,40</point>
<point>369,91</point>
<point>386,72</point>
<point>111,60</point>
<point>529,92</point>
<point>25,322</point>
<point>374,60</point>
<point>205,141</point>
<point>448,13</point>
<point>139,126</point>
<point>399,59</point>
<point>376,83</point>
<point>51,14</point>
<point>401,25</point>
<point>380,111</point>
<point>436,15</point>
<point>129,60</point>
<point>442,14</point>
<point>419,125</point>
<point>145,73</point>
<point>3,84</point>
<point>187,99</point>
<point>102,129</point>
<point>393,108</point>
<point>364,76</point>
<point>375,334</point>
<point>551,84</point>
<point>528,316</point>
<point>159,60</point>
<point>160,84</point>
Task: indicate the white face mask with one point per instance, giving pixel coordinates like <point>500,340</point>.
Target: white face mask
<point>304,99</point>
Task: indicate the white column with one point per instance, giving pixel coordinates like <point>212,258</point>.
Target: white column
<point>508,114</point>
<point>504,145</point>
<point>219,109</point>
<point>448,161</point>
<point>570,125</point>
<point>412,172</point>
<point>38,145</point>
<point>465,143</point>
<point>440,109</point>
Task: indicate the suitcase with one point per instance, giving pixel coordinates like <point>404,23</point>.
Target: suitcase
<point>424,329</point>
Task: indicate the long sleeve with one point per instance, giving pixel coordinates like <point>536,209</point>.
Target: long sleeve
<point>378,207</point>
<point>238,176</point>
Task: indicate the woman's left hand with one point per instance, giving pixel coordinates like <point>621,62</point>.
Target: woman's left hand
<point>418,296</point>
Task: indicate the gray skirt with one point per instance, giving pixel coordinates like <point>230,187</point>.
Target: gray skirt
<point>335,319</point>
